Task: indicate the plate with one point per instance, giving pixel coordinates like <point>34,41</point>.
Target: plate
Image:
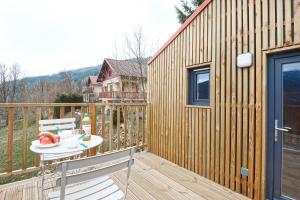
<point>38,144</point>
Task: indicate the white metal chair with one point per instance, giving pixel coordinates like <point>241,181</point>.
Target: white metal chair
<point>51,125</point>
<point>93,183</point>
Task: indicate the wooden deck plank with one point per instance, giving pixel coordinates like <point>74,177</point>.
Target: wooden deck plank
<point>2,195</point>
<point>14,193</point>
<point>130,193</point>
<point>135,191</point>
<point>200,185</point>
<point>152,177</point>
<point>166,186</point>
<point>186,193</point>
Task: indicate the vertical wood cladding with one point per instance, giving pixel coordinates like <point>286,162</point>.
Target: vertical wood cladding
<point>217,140</point>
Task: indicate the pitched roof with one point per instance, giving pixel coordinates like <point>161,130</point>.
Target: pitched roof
<point>183,26</point>
<point>93,79</point>
<point>128,68</point>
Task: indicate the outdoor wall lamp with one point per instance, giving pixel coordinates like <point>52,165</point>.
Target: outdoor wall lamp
<point>244,60</point>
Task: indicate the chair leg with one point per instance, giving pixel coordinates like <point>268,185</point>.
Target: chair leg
<point>43,174</point>
<point>128,172</point>
<point>126,187</point>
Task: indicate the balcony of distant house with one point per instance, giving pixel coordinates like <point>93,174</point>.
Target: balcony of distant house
<point>116,95</point>
<point>87,89</point>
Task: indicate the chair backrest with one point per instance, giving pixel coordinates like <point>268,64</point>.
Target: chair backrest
<point>52,124</point>
<point>125,158</point>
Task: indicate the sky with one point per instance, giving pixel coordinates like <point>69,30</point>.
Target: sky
<point>49,36</point>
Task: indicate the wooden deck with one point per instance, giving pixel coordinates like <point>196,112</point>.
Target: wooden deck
<point>152,178</point>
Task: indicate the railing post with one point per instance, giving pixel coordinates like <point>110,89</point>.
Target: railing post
<point>92,112</point>
<point>103,128</point>
<point>131,127</point>
<point>137,135</point>
<point>62,112</point>
<point>10,137</point>
<point>125,125</point>
<point>50,112</point>
<point>38,116</point>
<point>72,111</point>
<point>148,127</point>
<point>143,125</point>
<point>25,138</point>
<point>111,122</point>
<point>118,127</point>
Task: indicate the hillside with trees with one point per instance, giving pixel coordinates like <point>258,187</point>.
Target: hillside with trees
<point>40,89</point>
<point>77,75</point>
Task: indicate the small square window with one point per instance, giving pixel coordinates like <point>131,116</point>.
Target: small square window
<point>199,86</point>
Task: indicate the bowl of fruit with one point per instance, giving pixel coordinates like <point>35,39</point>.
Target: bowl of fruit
<point>47,139</point>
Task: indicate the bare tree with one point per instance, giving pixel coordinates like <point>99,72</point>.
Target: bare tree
<point>115,51</point>
<point>8,86</point>
<point>9,82</point>
<point>14,75</point>
<point>136,48</point>
<point>67,82</point>
<point>3,84</point>
<point>23,93</point>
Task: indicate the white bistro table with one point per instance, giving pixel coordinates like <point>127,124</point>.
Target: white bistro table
<point>63,147</point>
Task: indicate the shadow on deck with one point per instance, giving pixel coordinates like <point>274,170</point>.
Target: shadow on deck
<point>152,177</point>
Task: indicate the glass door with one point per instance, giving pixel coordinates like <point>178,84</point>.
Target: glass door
<point>284,108</point>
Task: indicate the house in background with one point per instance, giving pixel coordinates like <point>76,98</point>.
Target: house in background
<point>91,89</point>
<point>123,81</point>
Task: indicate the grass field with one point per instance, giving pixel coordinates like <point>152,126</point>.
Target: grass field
<point>17,149</point>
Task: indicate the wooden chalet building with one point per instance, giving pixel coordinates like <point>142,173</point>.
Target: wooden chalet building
<point>224,96</point>
<point>91,89</point>
<point>123,81</point>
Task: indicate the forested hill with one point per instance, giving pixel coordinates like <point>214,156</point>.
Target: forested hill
<point>77,75</point>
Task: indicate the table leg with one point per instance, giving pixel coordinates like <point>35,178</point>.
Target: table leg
<point>43,173</point>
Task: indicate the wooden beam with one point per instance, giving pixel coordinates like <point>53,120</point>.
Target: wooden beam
<point>297,21</point>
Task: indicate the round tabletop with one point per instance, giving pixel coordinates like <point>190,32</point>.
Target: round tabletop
<point>64,148</point>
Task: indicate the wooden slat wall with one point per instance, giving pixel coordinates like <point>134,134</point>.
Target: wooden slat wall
<point>218,140</point>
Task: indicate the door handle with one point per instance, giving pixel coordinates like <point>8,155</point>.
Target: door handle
<point>279,129</point>
<point>282,129</point>
<point>288,128</point>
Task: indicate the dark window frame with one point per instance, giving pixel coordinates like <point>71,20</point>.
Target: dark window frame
<point>192,86</point>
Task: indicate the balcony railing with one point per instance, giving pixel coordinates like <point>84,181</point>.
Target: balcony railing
<point>120,126</point>
<point>123,95</point>
<point>89,89</point>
